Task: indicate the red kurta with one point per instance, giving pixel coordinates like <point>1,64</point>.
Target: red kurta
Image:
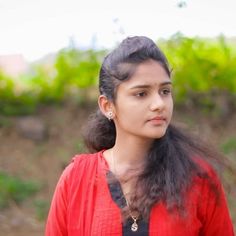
<point>82,206</point>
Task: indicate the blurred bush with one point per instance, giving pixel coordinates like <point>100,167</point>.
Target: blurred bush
<point>73,70</point>
<point>204,72</point>
<point>69,77</point>
<point>13,100</point>
<point>204,76</point>
<point>41,209</point>
<point>15,189</point>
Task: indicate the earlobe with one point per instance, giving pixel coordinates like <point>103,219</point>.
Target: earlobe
<point>105,106</point>
<point>110,115</point>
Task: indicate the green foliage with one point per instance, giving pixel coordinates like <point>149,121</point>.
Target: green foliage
<point>80,146</point>
<point>78,68</point>
<point>14,189</point>
<point>204,71</point>
<point>204,76</point>
<point>43,85</point>
<point>6,86</point>
<point>229,145</point>
<point>4,122</point>
<point>22,104</point>
<point>13,102</point>
<point>74,71</point>
<point>41,207</point>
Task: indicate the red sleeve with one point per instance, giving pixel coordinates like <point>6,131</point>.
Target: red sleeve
<point>57,217</point>
<point>216,217</point>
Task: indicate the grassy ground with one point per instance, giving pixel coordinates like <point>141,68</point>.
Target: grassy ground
<point>42,162</point>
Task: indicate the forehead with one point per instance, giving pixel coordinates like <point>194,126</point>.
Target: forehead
<point>149,73</point>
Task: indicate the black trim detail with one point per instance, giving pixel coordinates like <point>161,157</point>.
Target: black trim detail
<point>118,197</point>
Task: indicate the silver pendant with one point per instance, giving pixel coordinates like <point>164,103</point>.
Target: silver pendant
<point>134,226</point>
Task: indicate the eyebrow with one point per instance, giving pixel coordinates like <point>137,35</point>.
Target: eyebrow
<point>148,86</point>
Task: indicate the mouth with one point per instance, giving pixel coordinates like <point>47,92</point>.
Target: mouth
<point>158,120</point>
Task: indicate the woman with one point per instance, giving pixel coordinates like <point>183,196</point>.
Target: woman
<point>144,176</point>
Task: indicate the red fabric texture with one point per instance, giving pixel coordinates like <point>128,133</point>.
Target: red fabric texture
<point>82,206</point>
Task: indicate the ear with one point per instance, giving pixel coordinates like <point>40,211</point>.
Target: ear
<point>106,106</point>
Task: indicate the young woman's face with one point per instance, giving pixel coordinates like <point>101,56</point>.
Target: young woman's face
<point>144,104</point>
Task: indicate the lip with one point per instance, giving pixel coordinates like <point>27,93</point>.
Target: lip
<point>157,120</point>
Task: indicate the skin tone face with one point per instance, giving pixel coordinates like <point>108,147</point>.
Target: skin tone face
<point>141,112</point>
<point>144,105</point>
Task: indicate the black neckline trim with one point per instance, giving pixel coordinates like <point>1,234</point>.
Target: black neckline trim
<point>118,197</point>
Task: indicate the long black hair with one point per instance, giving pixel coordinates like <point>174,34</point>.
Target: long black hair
<point>170,167</point>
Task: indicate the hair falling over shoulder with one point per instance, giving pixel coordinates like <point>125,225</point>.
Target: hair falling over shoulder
<point>169,169</point>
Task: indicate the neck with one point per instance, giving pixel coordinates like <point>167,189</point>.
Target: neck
<point>130,152</point>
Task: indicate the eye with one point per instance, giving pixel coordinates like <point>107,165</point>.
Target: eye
<point>141,94</point>
<point>165,91</point>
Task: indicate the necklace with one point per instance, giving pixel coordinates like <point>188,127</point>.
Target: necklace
<point>134,226</point>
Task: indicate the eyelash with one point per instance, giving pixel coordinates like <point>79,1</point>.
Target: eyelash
<point>141,94</point>
<point>164,92</point>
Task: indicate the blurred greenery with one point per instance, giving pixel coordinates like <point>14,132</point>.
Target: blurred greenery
<point>204,71</point>
<point>204,76</point>
<point>15,189</point>
<point>72,72</point>
<point>41,208</point>
<point>80,146</point>
<point>229,145</point>
<point>4,122</point>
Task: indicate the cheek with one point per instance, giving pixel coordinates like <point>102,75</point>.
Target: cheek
<point>171,105</point>
<point>170,108</point>
<point>129,112</point>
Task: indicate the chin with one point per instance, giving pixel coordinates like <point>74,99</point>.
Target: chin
<point>158,135</point>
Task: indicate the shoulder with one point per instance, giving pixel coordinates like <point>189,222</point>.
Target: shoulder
<point>207,182</point>
<point>81,164</point>
<point>211,203</point>
<point>81,170</point>
<point>207,170</point>
<point>84,160</point>
<point>78,164</point>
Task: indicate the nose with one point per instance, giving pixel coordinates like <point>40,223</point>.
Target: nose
<point>157,103</point>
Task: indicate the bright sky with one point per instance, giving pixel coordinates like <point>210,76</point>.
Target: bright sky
<point>37,27</point>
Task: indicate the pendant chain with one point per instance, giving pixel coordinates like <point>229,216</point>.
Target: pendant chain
<point>134,226</point>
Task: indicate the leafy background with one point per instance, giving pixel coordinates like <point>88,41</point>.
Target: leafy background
<point>63,93</point>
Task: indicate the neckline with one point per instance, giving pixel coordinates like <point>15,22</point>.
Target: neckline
<point>104,161</point>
